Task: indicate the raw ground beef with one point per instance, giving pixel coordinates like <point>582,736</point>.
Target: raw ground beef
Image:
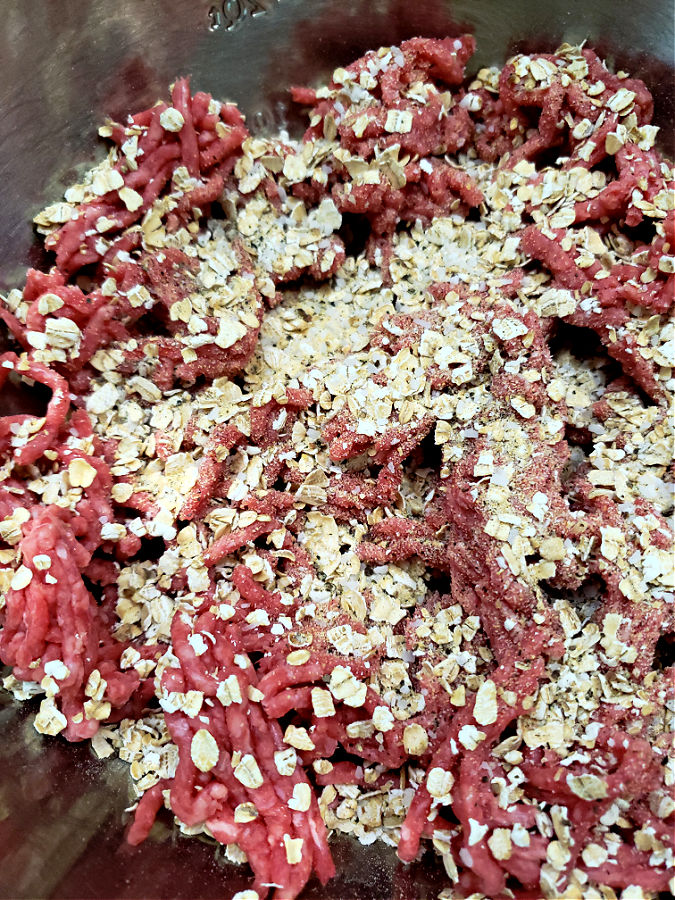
<point>349,509</point>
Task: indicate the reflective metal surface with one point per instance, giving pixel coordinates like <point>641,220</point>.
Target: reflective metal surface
<point>66,64</point>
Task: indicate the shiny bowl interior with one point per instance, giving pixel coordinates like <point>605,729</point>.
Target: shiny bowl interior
<point>66,67</point>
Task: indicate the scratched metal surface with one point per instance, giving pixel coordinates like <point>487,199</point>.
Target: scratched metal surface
<point>67,64</point>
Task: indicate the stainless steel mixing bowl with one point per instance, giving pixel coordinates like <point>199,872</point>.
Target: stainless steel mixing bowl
<point>67,64</point>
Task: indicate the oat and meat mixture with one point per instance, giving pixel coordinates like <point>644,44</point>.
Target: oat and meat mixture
<point>348,511</point>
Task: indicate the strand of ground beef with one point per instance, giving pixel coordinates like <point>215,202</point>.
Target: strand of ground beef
<point>202,140</point>
<point>49,613</point>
